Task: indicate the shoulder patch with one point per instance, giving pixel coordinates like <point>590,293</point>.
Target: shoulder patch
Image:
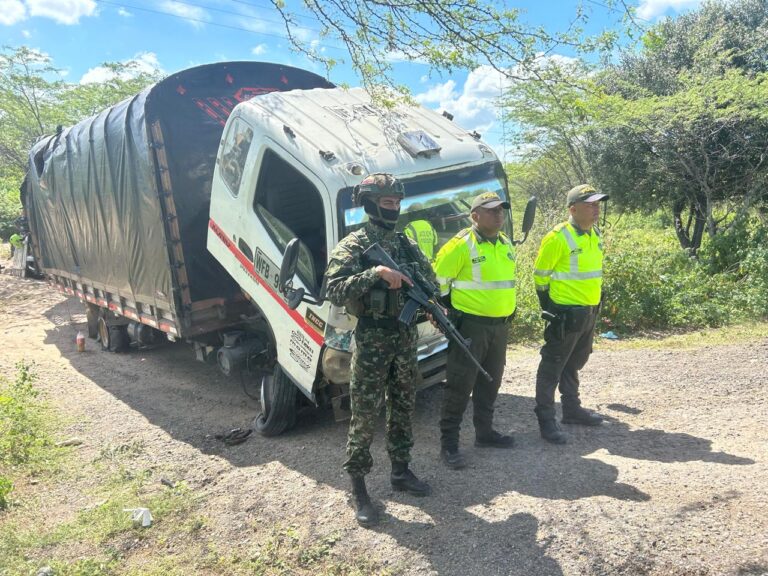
<point>463,233</point>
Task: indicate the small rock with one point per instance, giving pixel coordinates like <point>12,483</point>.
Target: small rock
<point>69,442</point>
<point>45,571</point>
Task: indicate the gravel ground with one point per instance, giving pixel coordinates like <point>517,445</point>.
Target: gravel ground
<point>675,483</point>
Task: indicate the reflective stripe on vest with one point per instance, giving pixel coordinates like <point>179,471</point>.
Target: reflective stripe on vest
<point>573,273</point>
<point>477,282</point>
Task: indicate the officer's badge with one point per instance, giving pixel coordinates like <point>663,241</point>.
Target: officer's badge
<point>478,260</point>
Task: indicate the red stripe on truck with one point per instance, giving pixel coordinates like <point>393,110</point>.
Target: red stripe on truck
<point>298,318</point>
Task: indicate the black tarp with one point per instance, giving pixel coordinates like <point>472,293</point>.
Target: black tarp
<point>92,191</point>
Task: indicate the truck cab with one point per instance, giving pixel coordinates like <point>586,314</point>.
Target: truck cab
<point>286,167</point>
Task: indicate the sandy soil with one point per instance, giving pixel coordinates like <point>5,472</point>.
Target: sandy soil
<point>676,482</point>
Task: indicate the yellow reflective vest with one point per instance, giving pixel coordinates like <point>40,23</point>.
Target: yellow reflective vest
<point>422,232</point>
<point>478,273</point>
<point>570,266</point>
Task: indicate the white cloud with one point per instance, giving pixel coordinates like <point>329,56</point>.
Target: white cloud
<point>26,33</point>
<point>652,9</point>
<point>62,11</point>
<point>473,106</point>
<point>259,50</point>
<point>195,16</point>
<point>437,93</point>
<point>144,62</point>
<point>123,12</point>
<point>11,11</point>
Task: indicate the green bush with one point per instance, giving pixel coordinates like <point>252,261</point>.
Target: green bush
<point>6,487</point>
<point>650,283</point>
<point>23,432</point>
<point>742,253</point>
<point>10,206</point>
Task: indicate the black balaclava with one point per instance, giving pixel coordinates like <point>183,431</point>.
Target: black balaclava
<point>384,217</point>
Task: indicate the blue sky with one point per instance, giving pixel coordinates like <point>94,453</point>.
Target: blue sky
<point>79,35</point>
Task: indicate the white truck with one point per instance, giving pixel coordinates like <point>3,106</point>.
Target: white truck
<point>172,213</point>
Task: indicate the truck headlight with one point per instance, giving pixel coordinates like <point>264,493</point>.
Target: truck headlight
<point>336,365</point>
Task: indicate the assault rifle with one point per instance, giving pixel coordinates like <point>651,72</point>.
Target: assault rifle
<point>420,294</point>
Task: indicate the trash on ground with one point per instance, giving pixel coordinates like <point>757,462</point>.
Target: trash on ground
<point>141,515</point>
<point>609,335</point>
<point>235,436</point>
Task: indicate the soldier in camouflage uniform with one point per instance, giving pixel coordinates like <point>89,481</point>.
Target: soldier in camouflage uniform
<point>384,360</point>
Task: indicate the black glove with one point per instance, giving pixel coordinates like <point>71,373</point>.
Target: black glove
<point>544,300</point>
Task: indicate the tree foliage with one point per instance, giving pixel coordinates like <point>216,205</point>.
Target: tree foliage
<point>678,123</point>
<point>683,122</point>
<point>447,35</point>
<point>35,99</point>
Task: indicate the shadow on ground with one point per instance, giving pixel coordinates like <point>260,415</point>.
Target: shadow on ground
<point>193,402</point>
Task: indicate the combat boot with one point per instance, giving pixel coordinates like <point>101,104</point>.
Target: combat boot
<point>578,415</point>
<point>403,480</point>
<point>551,432</point>
<point>367,515</point>
<point>452,458</point>
<point>494,439</point>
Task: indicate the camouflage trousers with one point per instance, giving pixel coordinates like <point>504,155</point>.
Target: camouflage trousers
<point>384,368</point>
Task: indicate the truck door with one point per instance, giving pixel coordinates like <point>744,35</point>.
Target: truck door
<point>289,201</point>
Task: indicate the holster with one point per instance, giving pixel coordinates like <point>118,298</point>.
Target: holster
<point>455,316</point>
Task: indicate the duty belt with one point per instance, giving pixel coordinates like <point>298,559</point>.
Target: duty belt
<point>566,307</point>
<point>485,319</point>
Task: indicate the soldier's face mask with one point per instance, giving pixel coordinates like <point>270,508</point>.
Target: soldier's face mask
<point>386,217</point>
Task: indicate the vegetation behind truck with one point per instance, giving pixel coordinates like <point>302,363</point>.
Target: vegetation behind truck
<point>169,214</point>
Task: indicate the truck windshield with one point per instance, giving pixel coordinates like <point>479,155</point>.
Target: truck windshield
<point>435,208</point>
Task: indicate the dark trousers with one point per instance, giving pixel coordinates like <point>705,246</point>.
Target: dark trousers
<point>566,350</point>
<point>489,346</point>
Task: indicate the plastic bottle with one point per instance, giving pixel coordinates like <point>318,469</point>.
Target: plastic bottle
<point>80,340</point>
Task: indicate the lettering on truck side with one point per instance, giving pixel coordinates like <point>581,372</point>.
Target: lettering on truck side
<point>267,269</point>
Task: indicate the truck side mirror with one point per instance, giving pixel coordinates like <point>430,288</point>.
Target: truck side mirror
<point>528,217</point>
<point>287,270</point>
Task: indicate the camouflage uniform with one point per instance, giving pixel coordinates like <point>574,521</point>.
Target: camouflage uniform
<point>384,360</point>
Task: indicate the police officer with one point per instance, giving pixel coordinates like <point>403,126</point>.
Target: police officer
<point>568,275</point>
<point>425,236</point>
<point>17,242</point>
<point>476,268</point>
<point>384,361</point>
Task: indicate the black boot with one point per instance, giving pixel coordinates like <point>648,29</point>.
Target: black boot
<point>452,458</point>
<point>578,415</point>
<point>551,432</point>
<point>403,480</point>
<point>494,439</point>
<point>367,515</point>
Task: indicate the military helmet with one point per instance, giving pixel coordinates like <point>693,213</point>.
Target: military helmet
<point>377,185</point>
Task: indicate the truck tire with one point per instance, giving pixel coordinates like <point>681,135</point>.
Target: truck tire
<point>102,330</point>
<point>92,313</point>
<point>278,404</point>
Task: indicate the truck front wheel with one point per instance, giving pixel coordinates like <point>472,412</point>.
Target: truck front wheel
<point>278,404</point>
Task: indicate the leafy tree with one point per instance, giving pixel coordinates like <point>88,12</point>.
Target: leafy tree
<point>35,99</point>
<point>680,123</point>
<point>551,110</point>
<point>683,122</point>
<point>447,35</point>
<point>702,149</point>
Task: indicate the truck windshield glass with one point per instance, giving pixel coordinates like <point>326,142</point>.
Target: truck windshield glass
<point>436,208</point>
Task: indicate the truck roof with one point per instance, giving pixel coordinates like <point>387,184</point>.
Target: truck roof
<point>346,123</point>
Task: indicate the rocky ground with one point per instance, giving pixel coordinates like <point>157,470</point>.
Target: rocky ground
<point>675,483</point>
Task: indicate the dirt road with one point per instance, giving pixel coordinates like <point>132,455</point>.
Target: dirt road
<point>676,482</point>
